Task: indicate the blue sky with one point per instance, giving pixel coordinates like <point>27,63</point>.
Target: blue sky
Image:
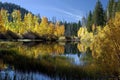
<point>68,10</point>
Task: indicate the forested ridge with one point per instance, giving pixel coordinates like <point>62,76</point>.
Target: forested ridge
<point>10,7</point>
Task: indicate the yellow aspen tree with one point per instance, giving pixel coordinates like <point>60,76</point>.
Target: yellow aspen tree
<point>4,14</point>
<point>28,22</point>
<point>17,24</point>
<point>51,29</point>
<point>2,28</point>
<point>43,26</point>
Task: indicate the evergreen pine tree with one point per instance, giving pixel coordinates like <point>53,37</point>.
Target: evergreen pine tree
<point>98,15</point>
<point>118,6</point>
<point>110,7</point>
<point>89,22</point>
<point>84,21</point>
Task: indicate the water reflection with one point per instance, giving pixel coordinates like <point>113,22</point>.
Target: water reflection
<point>75,59</point>
<point>47,61</point>
<point>38,50</point>
<point>68,50</point>
<point>17,75</point>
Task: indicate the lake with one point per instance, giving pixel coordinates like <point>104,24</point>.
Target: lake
<point>52,61</point>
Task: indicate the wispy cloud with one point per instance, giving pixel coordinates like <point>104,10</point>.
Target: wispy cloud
<point>66,13</point>
<point>71,13</point>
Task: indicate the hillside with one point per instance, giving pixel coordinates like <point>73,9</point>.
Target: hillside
<point>10,7</point>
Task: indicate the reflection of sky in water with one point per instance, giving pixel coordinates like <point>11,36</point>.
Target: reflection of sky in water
<point>15,75</point>
<point>32,76</point>
<point>76,59</point>
<point>7,75</point>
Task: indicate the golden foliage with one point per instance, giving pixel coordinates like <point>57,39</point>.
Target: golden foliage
<point>16,24</point>
<point>50,29</point>
<point>2,28</point>
<point>93,27</point>
<point>106,45</point>
<point>43,26</point>
<point>1,21</point>
<point>59,30</point>
<point>36,51</point>
<point>82,31</point>
<point>4,15</point>
<point>30,23</point>
<point>82,48</point>
<point>85,36</point>
<point>28,19</point>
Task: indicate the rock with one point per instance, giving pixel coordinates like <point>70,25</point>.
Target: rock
<point>30,35</point>
<point>9,35</point>
<point>2,36</point>
<point>12,35</point>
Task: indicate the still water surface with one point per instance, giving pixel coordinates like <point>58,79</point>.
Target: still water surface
<point>48,61</point>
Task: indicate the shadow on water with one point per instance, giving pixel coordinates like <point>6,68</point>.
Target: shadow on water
<point>47,61</point>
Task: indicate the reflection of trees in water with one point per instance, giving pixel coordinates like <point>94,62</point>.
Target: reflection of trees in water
<point>50,64</point>
<point>82,48</point>
<point>71,48</point>
<point>42,49</point>
<point>2,65</point>
<point>37,49</point>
